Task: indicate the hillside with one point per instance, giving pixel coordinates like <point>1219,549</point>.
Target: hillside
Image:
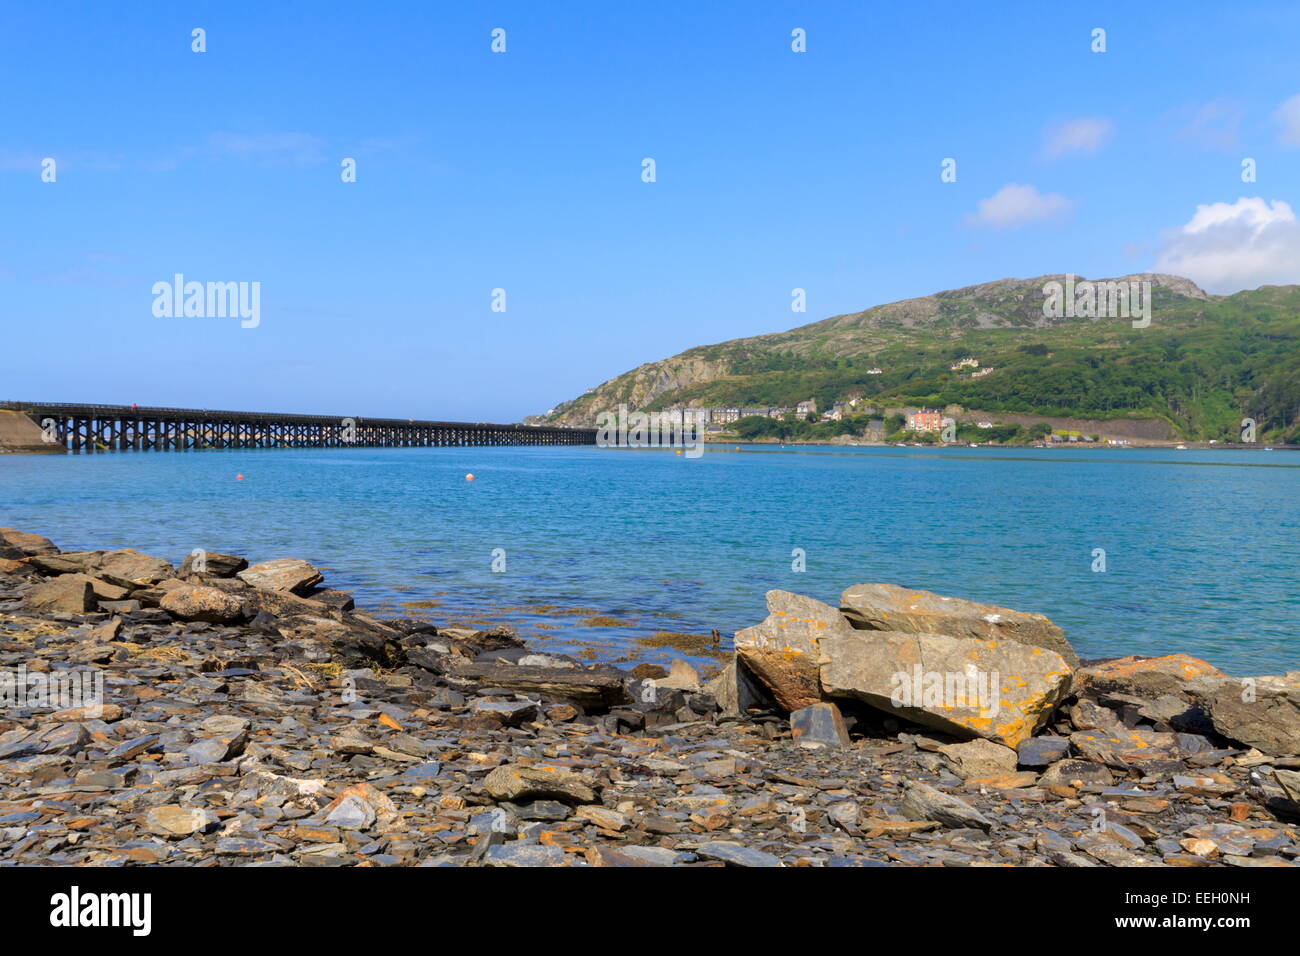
<point>1204,362</point>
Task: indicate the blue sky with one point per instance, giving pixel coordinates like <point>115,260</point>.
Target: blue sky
<point>523,171</point>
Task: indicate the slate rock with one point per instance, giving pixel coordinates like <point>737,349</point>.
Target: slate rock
<point>212,563</point>
<point>27,543</point>
<point>518,854</point>
<point>736,854</point>
<point>923,802</point>
<point>1003,691</point>
<point>1042,751</point>
<point>68,593</point>
<point>176,822</point>
<point>888,607</point>
<point>820,725</point>
<point>783,651</point>
<point>192,602</point>
<point>979,758</point>
<point>282,574</point>
<point>1145,677</point>
<point>518,782</point>
<point>1260,712</point>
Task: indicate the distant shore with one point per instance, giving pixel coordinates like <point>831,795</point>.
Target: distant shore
<point>1145,444</point>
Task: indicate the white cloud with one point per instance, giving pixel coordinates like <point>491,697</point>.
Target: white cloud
<point>1227,247</point>
<point>1084,135</point>
<point>1015,205</point>
<point>1287,116</point>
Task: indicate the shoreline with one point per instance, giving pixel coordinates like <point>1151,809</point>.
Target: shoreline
<point>253,715</point>
<point>1092,446</point>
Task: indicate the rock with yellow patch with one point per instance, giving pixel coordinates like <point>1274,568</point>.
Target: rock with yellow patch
<point>1147,677</point>
<point>1123,747</point>
<point>783,651</point>
<point>1002,691</point>
<point>888,607</point>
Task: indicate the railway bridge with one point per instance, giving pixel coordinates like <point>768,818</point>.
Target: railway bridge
<point>80,428</point>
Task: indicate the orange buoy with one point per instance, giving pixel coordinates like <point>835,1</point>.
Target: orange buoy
<point>469,477</point>
<point>239,477</point>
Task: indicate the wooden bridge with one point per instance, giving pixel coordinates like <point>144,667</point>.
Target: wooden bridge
<point>95,428</point>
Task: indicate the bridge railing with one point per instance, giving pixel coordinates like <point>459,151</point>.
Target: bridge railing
<point>89,410</point>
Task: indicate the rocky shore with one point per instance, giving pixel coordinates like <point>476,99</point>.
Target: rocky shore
<point>248,715</point>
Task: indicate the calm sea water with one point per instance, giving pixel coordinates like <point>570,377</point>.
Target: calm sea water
<point>1202,548</point>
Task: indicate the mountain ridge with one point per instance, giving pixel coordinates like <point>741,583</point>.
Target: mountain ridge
<point>1239,343</point>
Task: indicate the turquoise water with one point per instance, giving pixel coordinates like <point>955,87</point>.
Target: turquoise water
<point>1202,547</point>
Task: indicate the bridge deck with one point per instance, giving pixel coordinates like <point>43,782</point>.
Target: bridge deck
<point>81,427</point>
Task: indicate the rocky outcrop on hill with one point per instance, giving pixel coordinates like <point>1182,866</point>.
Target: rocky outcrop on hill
<point>229,722</point>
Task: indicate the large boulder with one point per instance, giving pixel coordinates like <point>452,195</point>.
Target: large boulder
<point>783,651</point>
<point>1260,712</point>
<point>282,574</point>
<point>888,607</point>
<point>193,602</point>
<point>1002,691</point>
<point>1147,677</point>
<point>26,542</point>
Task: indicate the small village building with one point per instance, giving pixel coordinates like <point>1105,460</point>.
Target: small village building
<point>924,420</point>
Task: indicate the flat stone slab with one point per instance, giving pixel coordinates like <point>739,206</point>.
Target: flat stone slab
<point>1003,691</point>
<point>735,854</point>
<point>282,574</point>
<point>888,607</point>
